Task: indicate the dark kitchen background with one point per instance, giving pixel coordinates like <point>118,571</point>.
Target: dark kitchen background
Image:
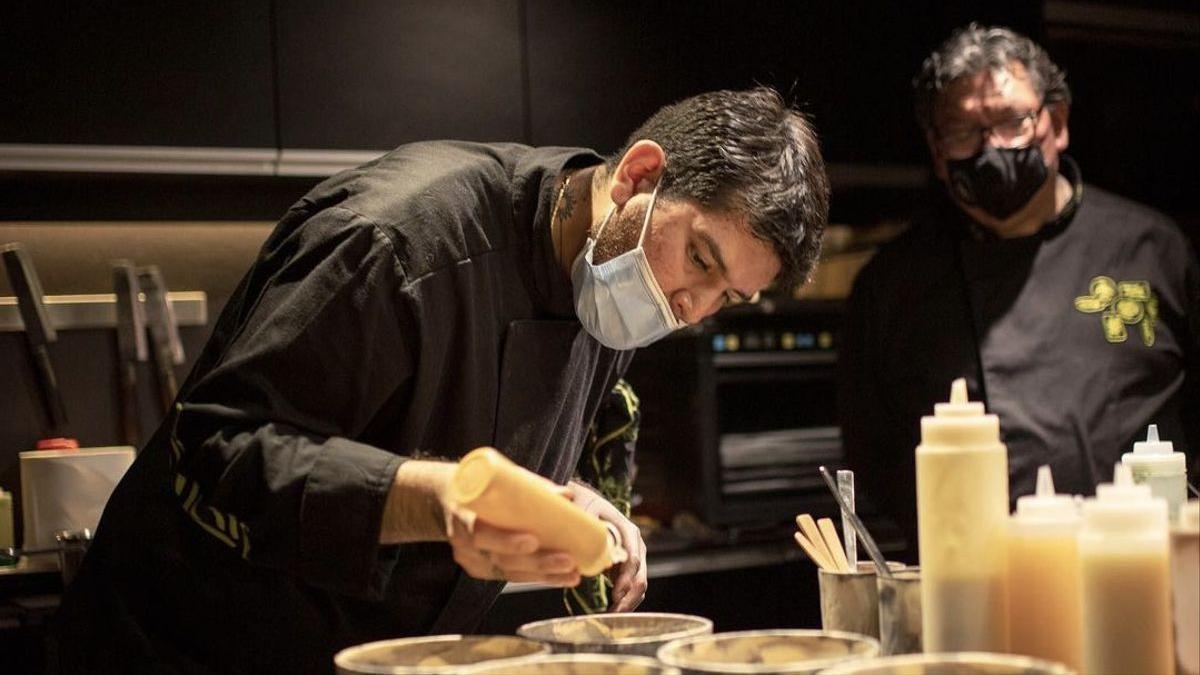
<point>176,133</point>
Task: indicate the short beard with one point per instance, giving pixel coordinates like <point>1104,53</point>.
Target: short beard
<point>620,235</point>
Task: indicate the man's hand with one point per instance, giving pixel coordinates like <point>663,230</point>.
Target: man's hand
<point>629,586</point>
<point>417,509</point>
<point>488,552</point>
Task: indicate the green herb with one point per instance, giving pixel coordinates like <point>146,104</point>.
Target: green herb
<point>607,464</point>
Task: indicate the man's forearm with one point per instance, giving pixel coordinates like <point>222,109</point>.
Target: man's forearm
<point>414,508</point>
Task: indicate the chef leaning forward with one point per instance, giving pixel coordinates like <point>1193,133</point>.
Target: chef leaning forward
<point>443,297</point>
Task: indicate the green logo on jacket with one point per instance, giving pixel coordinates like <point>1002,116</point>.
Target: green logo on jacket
<point>1121,304</point>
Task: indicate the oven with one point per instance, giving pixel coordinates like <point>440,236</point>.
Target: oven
<point>738,414</point>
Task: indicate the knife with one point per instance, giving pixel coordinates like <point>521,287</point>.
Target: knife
<point>164,333</point>
<point>131,346</point>
<point>39,332</point>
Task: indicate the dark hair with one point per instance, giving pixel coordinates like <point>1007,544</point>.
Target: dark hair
<point>750,153</point>
<point>974,48</point>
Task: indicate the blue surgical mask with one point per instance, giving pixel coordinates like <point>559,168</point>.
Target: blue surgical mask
<point>619,302</point>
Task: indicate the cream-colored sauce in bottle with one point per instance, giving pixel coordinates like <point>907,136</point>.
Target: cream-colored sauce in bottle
<point>490,486</point>
<point>1045,610</point>
<point>962,516</point>
<point>1123,550</point>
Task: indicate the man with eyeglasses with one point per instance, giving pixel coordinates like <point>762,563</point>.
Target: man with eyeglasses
<point>1073,314</point>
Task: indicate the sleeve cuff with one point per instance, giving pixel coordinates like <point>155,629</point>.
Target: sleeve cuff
<point>340,516</point>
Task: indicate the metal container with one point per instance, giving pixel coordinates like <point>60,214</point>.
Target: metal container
<point>433,655</point>
<point>849,601</point>
<point>900,612</point>
<point>631,633</point>
<point>72,546</point>
<point>575,664</point>
<point>961,663</point>
<point>766,651</point>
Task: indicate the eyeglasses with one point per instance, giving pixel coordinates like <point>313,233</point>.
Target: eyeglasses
<point>1013,132</point>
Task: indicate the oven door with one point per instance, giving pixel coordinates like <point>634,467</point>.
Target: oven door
<point>776,423</point>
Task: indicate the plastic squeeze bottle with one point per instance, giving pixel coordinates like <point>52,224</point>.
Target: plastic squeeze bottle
<point>1185,562</point>
<point>1154,463</point>
<point>1045,610</point>
<point>1123,551</point>
<point>962,518</point>
<point>493,488</point>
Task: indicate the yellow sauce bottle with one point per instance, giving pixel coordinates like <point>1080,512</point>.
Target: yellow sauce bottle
<point>508,496</point>
<point>1123,550</point>
<point>1045,610</point>
<point>962,518</point>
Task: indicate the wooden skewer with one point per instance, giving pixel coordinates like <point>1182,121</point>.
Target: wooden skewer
<point>834,544</point>
<point>813,552</point>
<point>809,527</point>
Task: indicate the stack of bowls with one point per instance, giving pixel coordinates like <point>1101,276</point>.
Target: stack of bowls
<point>433,655</point>
<point>766,651</point>
<point>638,634</point>
<point>575,664</point>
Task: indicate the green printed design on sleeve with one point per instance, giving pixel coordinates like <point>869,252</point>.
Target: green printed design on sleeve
<point>1121,304</point>
<point>224,527</point>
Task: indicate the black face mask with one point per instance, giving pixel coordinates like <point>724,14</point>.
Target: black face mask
<point>998,180</point>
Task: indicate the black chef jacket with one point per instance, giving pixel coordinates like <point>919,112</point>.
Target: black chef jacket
<point>410,307</point>
<point>947,299</point>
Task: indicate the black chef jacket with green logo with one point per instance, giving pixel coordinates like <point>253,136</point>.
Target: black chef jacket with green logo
<point>411,307</point>
<point>1077,337</point>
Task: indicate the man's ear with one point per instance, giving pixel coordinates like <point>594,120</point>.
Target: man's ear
<point>1059,112</point>
<point>935,156</point>
<point>638,171</point>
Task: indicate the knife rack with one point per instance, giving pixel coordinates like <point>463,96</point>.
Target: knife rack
<point>99,310</point>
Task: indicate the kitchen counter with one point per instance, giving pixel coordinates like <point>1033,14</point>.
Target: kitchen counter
<point>31,565</point>
<point>741,585</point>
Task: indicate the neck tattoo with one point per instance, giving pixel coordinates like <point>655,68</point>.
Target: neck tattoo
<point>560,214</point>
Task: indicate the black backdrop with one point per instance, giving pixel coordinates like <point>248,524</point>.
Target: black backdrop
<point>372,74</point>
<point>377,73</point>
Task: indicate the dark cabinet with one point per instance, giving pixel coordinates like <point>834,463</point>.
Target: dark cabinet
<point>103,72</point>
<point>377,73</point>
<point>598,69</point>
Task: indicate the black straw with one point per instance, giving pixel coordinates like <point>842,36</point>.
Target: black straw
<point>859,528</point>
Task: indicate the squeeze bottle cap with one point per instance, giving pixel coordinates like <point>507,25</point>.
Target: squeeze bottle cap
<point>1153,457</point>
<point>959,405</point>
<point>61,443</point>
<point>1124,505</point>
<point>1045,504</point>
<point>1122,486</point>
<point>959,423</point>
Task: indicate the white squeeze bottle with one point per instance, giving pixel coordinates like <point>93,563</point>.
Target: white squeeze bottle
<point>1154,463</point>
<point>962,518</point>
<point>1044,605</point>
<point>1123,551</point>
